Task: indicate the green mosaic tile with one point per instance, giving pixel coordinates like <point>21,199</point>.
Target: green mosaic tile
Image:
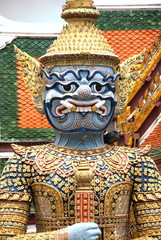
<point>129,20</point>
<point>155,153</point>
<point>8,103</point>
<point>2,164</point>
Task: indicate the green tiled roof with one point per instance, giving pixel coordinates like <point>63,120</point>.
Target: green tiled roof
<point>155,153</point>
<point>129,20</point>
<point>8,103</point>
<point>2,164</point>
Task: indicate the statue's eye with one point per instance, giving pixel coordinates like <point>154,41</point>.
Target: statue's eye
<point>67,88</point>
<point>98,87</point>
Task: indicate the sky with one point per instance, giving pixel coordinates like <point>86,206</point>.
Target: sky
<point>44,15</point>
<point>49,10</point>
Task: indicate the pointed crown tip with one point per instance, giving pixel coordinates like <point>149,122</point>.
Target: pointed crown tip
<point>79,9</point>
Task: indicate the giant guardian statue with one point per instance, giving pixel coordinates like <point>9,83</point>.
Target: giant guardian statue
<point>82,188</point>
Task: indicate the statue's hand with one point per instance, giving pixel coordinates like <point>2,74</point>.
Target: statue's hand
<point>84,231</point>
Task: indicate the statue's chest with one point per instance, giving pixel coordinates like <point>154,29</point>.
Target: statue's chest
<point>55,189</point>
<point>56,201</point>
<point>61,189</point>
<point>64,162</point>
<point>64,171</point>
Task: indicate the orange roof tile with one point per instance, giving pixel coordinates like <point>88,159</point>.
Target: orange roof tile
<point>154,138</point>
<point>131,42</point>
<point>28,117</point>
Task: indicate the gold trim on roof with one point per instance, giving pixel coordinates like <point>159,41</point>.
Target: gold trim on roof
<point>135,70</point>
<point>130,122</point>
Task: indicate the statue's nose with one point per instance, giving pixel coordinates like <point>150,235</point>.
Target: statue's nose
<point>83,92</point>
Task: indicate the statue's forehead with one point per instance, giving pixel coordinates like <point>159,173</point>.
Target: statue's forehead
<point>64,69</point>
<point>81,74</point>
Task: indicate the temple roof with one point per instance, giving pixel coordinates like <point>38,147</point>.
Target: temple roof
<point>141,89</point>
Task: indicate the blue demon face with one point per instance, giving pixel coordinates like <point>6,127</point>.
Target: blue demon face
<point>80,99</point>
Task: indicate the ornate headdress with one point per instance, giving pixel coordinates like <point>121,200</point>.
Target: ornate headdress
<point>80,43</point>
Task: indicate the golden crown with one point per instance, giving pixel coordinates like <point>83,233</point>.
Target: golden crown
<point>80,41</point>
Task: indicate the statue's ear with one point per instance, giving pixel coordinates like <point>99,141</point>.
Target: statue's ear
<point>31,72</point>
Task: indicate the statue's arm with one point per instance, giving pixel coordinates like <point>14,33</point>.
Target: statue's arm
<point>147,200</point>
<point>78,231</point>
<point>14,214</point>
<point>15,198</point>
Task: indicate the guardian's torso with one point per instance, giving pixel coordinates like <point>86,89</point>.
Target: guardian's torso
<point>54,187</point>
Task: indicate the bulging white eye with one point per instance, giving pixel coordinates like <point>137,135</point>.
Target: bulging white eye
<point>98,87</point>
<point>68,88</point>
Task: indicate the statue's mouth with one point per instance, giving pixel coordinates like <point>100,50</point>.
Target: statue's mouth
<point>82,107</point>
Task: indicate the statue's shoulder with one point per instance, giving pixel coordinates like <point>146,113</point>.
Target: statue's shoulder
<point>30,154</point>
<point>30,150</point>
<point>43,158</point>
<point>134,155</point>
<point>138,150</point>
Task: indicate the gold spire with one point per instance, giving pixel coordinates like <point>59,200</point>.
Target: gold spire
<point>79,4</point>
<point>79,9</point>
<point>80,42</point>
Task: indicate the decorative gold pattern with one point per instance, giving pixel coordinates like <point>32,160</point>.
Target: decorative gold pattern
<point>80,42</point>
<point>146,196</point>
<point>148,218</point>
<point>12,196</point>
<point>70,4</point>
<point>116,158</point>
<point>48,204</point>
<point>117,177</point>
<point>30,71</point>
<point>50,158</point>
<point>80,9</point>
<point>13,217</point>
<point>134,73</point>
<point>117,202</point>
<point>145,238</point>
<point>73,47</point>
